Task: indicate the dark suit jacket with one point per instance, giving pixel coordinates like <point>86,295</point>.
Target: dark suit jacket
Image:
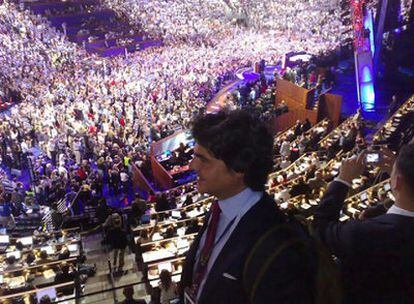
<point>377,254</point>
<point>286,279</point>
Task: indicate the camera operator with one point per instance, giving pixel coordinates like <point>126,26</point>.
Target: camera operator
<point>376,254</point>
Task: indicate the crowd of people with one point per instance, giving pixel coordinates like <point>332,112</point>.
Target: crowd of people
<point>177,21</point>
<point>78,108</point>
<point>187,20</point>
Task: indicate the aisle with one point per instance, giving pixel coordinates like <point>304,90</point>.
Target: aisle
<point>98,254</point>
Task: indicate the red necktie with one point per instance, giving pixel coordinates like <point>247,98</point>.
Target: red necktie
<point>207,248</point>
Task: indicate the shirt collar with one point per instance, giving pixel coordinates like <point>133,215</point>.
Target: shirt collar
<point>400,211</point>
<point>240,203</point>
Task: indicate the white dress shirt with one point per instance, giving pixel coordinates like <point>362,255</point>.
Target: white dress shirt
<point>400,211</point>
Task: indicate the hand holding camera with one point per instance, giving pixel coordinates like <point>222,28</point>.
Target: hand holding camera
<point>352,168</point>
<point>372,158</point>
<point>387,160</point>
<point>376,156</point>
<point>380,156</point>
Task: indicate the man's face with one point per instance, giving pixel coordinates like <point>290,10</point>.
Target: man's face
<point>214,177</point>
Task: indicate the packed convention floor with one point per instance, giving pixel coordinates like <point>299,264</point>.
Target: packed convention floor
<point>76,127</point>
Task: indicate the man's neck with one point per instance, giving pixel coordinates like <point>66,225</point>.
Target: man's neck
<point>406,204</point>
<point>232,193</point>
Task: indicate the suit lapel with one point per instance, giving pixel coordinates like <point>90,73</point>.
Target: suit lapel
<point>187,275</point>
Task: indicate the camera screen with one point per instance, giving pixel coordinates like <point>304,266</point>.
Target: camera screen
<point>364,196</point>
<point>372,158</point>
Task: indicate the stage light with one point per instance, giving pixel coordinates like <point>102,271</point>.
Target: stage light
<point>366,74</point>
<point>368,96</point>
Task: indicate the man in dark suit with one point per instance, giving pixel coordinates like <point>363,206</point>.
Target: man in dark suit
<point>376,254</point>
<point>247,251</point>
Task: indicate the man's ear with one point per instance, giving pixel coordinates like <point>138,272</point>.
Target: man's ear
<point>399,180</point>
<point>238,175</point>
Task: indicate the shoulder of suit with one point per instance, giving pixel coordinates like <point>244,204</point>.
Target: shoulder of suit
<point>389,219</point>
<point>386,224</point>
<point>264,215</point>
<point>268,207</point>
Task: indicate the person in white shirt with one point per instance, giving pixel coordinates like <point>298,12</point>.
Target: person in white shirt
<point>51,149</point>
<point>124,180</point>
<point>284,163</point>
<point>77,150</point>
<point>285,148</point>
<point>24,146</point>
<point>282,194</point>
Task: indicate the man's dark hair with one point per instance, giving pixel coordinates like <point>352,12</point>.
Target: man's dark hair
<point>65,268</point>
<point>11,260</point>
<point>243,142</point>
<point>30,258</point>
<point>405,164</point>
<point>43,255</point>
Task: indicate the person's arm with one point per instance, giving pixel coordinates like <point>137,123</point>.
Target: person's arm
<point>175,288</point>
<point>373,211</point>
<point>338,237</point>
<point>153,228</point>
<point>331,204</point>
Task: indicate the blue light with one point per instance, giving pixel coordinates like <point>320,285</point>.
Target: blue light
<point>368,96</point>
<point>366,74</point>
